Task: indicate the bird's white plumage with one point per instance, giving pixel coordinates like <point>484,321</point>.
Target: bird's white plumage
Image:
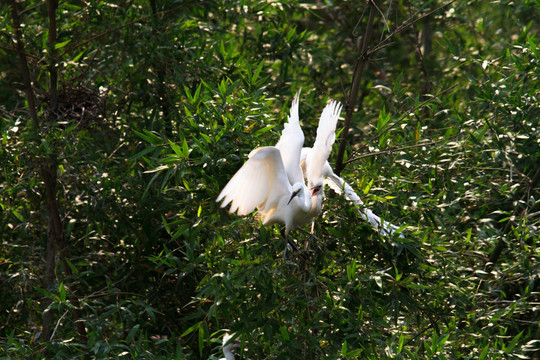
<point>326,135</point>
<point>228,346</point>
<point>260,183</point>
<point>290,144</point>
<point>272,181</point>
<point>340,186</point>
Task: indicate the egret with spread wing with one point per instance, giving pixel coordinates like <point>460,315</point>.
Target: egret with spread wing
<point>271,179</point>
<point>340,186</point>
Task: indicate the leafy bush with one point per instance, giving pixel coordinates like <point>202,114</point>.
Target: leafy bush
<point>158,104</point>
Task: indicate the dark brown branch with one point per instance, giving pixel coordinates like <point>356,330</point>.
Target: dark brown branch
<point>50,180</point>
<point>55,233</point>
<point>51,42</point>
<point>50,264</point>
<point>353,93</point>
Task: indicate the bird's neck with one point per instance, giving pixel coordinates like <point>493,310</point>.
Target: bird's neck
<point>229,355</point>
<point>316,203</point>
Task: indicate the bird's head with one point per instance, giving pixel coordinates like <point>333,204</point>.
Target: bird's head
<point>316,188</point>
<point>298,190</point>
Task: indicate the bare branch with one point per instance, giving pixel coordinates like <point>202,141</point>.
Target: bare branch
<point>353,93</point>
<point>401,118</point>
<point>410,21</point>
<point>359,69</point>
<point>394,150</point>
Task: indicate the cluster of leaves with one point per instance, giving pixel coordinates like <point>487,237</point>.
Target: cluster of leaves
<point>444,139</point>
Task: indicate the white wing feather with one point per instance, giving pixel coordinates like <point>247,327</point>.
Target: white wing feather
<point>259,183</point>
<point>326,135</point>
<point>290,144</point>
<point>341,187</point>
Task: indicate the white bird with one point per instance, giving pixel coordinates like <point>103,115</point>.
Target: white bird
<point>341,187</point>
<point>228,346</point>
<point>271,179</point>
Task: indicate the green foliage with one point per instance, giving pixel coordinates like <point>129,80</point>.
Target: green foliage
<point>159,105</point>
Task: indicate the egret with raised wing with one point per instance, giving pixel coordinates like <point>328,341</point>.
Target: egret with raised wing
<point>341,187</point>
<point>271,180</point>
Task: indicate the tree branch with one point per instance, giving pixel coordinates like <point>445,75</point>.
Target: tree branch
<point>401,118</point>
<point>359,68</point>
<point>410,21</point>
<point>55,232</point>
<point>353,93</point>
<point>391,151</point>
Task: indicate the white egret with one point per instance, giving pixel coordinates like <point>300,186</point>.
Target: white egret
<point>228,346</point>
<point>341,187</point>
<point>271,179</point>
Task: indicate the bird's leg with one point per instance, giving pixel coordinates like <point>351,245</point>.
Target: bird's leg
<point>311,236</point>
<point>289,241</point>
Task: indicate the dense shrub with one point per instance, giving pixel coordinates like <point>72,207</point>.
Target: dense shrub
<point>151,107</point>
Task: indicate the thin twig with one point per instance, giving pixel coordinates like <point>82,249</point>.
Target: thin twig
<point>410,21</point>
<point>391,151</point>
<point>401,118</point>
<point>358,71</point>
<point>57,324</point>
<point>105,33</point>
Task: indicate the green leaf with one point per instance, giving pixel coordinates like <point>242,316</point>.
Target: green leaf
<point>141,153</point>
<point>532,46</point>
<point>17,215</point>
<point>508,349</point>
<point>61,44</point>
<point>201,340</point>
<point>344,348</point>
<point>192,328</point>
<point>484,352</point>
<point>257,72</point>
<point>150,137</point>
<point>397,84</point>
<point>78,56</point>
<point>367,187</point>
<point>62,292</point>
<point>178,150</point>
<point>131,335</point>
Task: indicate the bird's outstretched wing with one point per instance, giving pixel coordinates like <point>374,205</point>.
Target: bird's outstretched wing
<point>326,135</point>
<point>340,186</point>
<point>260,183</point>
<point>290,144</point>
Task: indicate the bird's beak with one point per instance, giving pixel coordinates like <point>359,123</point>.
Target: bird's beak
<point>315,190</point>
<point>293,195</point>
